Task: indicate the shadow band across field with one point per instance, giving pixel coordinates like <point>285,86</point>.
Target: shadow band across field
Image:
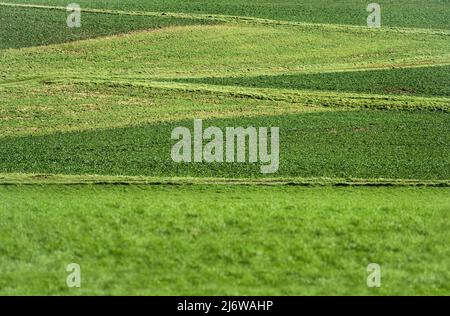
<point>344,144</point>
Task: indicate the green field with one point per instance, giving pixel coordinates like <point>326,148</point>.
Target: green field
<point>397,13</point>
<point>86,174</point>
<point>425,81</point>
<point>26,27</point>
<point>343,144</point>
<point>227,240</point>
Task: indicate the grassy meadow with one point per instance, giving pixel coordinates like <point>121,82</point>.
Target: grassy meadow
<point>86,175</point>
<point>226,240</point>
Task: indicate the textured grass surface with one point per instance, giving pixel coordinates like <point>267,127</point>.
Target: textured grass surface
<point>223,240</point>
<point>24,27</point>
<point>237,50</point>
<point>425,81</point>
<point>38,108</point>
<point>350,144</point>
<point>358,144</point>
<point>43,107</point>
<point>406,13</point>
<point>352,107</point>
<point>64,179</point>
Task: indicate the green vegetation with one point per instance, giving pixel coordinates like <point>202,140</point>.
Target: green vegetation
<point>24,27</point>
<point>96,106</point>
<point>404,13</point>
<point>64,179</point>
<point>232,50</point>
<point>223,240</point>
<point>342,144</point>
<point>425,81</point>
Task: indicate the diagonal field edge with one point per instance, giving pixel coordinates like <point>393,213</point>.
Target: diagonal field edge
<point>233,18</point>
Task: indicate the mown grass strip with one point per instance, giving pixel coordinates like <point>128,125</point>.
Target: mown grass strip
<point>45,107</point>
<point>61,179</point>
<point>222,51</point>
<point>48,107</point>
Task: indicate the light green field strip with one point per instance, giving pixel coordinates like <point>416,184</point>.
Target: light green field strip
<point>301,97</point>
<point>224,240</point>
<point>40,109</point>
<point>51,179</point>
<point>223,50</point>
<point>307,97</point>
<point>231,18</point>
<point>36,109</point>
<point>442,61</point>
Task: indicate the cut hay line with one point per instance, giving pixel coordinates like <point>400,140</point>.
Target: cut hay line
<point>53,179</point>
<point>31,179</point>
<point>233,18</point>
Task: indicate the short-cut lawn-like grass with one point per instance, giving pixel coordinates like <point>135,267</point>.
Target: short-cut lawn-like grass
<point>223,240</point>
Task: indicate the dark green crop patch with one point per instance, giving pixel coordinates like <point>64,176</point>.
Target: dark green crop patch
<point>26,27</point>
<point>355,144</point>
<point>396,13</point>
<point>421,81</point>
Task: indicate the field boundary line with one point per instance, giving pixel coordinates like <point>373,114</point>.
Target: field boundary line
<point>234,18</point>
<point>53,179</point>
